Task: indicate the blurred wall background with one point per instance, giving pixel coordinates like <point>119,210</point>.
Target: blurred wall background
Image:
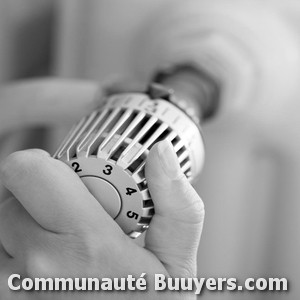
<point>250,181</point>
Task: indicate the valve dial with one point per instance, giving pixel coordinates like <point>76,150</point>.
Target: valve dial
<point>109,147</point>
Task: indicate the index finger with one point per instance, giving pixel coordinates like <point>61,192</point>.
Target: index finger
<point>53,194</point>
<point>46,102</point>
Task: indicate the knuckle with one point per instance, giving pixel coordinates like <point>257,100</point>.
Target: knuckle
<point>37,265</point>
<point>200,207</point>
<point>104,246</point>
<point>104,250</point>
<point>14,164</point>
<point>7,166</point>
<point>196,209</point>
<point>18,163</point>
<point>190,206</point>
<point>7,207</point>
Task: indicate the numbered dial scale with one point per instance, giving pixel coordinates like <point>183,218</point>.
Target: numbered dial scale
<point>109,147</point>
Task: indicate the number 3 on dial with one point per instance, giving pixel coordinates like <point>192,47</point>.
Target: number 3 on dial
<point>108,170</point>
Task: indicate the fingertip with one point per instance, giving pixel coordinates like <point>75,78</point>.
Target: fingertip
<point>163,159</point>
<point>152,167</point>
<point>119,85</point>
<point>157,179</point>
<point>162,168</point>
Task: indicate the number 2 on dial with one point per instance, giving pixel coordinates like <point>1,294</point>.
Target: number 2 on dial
<point>76,167</point>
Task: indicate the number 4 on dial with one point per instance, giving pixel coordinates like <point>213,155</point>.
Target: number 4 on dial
<point>130,191</point>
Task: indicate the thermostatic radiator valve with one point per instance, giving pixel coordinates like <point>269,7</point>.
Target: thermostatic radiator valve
<point>109,147</point>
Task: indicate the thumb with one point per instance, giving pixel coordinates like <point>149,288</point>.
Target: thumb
<point>176,227</point>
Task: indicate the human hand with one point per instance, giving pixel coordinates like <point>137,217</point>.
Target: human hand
<point>50,103</point>
<point>53,227</point>
<point>45,102</point>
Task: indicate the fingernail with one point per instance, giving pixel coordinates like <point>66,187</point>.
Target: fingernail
<point>169,159</point>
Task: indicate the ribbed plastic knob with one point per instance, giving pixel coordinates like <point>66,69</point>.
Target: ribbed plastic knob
<point>109,147</point>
